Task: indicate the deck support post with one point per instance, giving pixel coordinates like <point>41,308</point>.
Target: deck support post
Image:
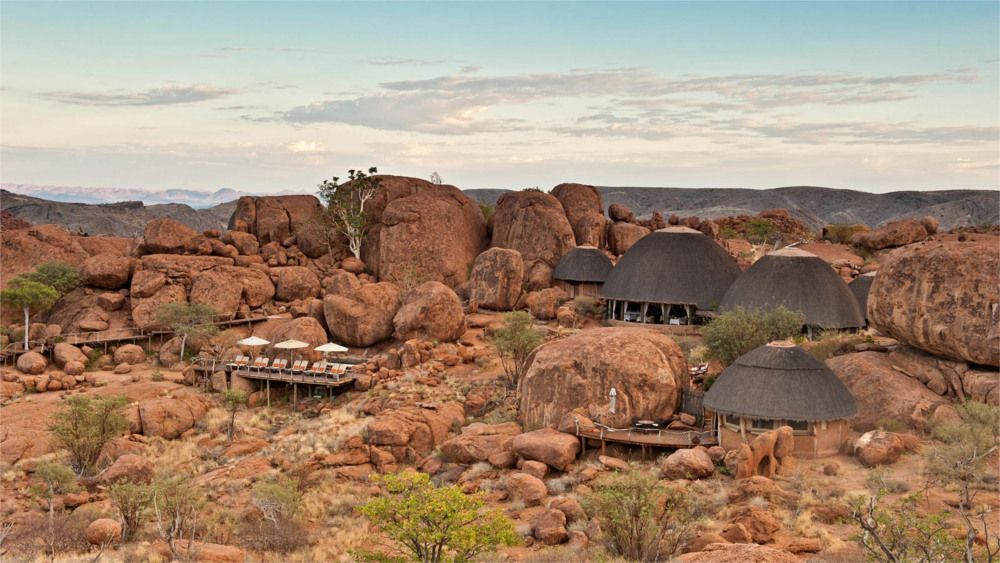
<point>295,395</point>
<point>603,443</point>
<point>583,446</point>
<point>267,382</point>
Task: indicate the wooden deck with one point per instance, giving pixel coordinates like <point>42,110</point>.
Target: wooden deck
<point>645,437</point>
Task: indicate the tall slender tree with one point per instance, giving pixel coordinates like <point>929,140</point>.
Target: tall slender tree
<point>345,204</point>
<point>30,296</point>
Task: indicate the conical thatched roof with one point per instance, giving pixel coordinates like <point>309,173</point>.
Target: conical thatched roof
<point>584,264</point>
<point>780,381</point>
<point>673,265</point>
<point>860,286</point>
<point>801,282</point>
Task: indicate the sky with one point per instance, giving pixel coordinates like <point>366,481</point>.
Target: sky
<point>264,97</point>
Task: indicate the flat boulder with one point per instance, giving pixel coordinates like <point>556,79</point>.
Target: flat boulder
<point>534,224</point>
<point>647,369</point>
<point>496,279</point>
<point>551,447</point>
<point>129,467</point>
<point>478,443</point>
<point>414,431</point>
<point>167,236</point>
<point>365,315</point>
<point>296,282</point>
<point>107,271</point>
<point>895,233</point>
<point>871,378</point>
<point>430,311</point>
<point>941,297</point>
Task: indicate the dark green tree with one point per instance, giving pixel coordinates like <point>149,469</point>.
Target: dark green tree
<point>31,297</point>
<point>86,425</point>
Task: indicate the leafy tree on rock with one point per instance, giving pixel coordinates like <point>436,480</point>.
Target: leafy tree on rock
<point>58,275</point>
<point>433,524</point>
<point>188,320</point>
<point>31,297</point>
<point>233,400</point>
<point>345,205</point>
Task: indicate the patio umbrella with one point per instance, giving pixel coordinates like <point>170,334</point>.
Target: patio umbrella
<point>330,348</point>
<point>253,342</point>
<point>291,345</point>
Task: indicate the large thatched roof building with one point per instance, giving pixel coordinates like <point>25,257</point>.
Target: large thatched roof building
<point>800,281</point>
<point>780,384</point>
<point>860,286</point>
<point>667,276</point>
<point>582,271</point>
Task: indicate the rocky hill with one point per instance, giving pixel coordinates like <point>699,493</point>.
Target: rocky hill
<point>814,206</point>
<point>91,194</point>
<point>125,218</point>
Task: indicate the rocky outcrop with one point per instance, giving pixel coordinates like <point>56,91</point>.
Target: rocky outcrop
<point>365,315</point>
<point>740,553</point>
<point>257,287</point>
<point>544,304</point>
<point>107,271</point>
<point>422,232</point>
<point>947,377</point>
<point>871,378</point>
<point>646,368</point>
<point>145,309</point>
<point>430,311</point>
<point>275,218</point>
<point>413,432</point>
<point>895,233</point>
<point>943,298</point>
<point>496,279</point>
<point>480,441</point>
<point>583,205</point>
<point>217,290</point>
<point>551,447</point>
<point>26,249</point>
<point>534,224</point>
<point>303,329</point>
<point>621,237</point>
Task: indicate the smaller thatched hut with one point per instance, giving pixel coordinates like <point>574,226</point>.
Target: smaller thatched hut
<point>860,286</point>
<point>780,384</point>
<point>800,281</point>
<point>582,271</point>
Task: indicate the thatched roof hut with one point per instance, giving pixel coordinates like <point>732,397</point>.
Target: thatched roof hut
<point>800,281</point>
<point>583,264</point>
<point>780,381</point>
<point>676,265</point>
<point>860,286</point>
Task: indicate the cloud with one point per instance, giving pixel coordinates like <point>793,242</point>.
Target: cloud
<point>271,49</point>
<point>393,61</point>
<point>633,102</point>
<point>167,95</point>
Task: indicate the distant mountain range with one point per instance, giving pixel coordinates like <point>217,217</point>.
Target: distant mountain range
<point>82,194</point>
<point>125,218</point>
<point>812,205</point>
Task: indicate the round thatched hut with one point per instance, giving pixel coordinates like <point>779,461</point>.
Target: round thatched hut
<point>582,271</point>
<point>800,281</point>
<point>780,384</point>
<point>671,276</point>
<point>860,286</point>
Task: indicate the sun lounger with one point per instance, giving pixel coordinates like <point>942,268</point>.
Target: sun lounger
<point>278,365</point>
<point>263,366</point>
<point>235,363</point>
<point>299,366</point>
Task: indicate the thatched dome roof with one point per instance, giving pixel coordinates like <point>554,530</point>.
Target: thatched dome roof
<point>675,265</point>
<point>780,381</point>
<point>584,264</point>
<point>801,282</point>
<point>860,286</point>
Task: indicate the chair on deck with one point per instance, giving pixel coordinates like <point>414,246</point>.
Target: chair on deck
<point>263,365</point>
<point>318,368</point>
<point>235,363</point>
<point>299,366</point>
<point>257,362</point>
<point>278,365</point>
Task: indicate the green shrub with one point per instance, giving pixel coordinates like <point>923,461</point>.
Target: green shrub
<point>58,275</point>
<point>487,209</point>
<point>842,233</point>
<point>86,425</point>
<point>513,342</point>
<point>760,230</point>
<point>727,232</point>
<point>831,343</point>
<point>737,331</point>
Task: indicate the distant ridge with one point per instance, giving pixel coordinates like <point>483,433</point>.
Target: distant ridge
<point>814,206</point>
<point>93,195</point>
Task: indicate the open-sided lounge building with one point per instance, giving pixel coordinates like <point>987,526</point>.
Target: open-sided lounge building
<point>582,271</point>
<point>780,384</point>
<point>800,281</point>
<point>670,276</point>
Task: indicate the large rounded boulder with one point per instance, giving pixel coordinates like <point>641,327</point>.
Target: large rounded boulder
<point>273,218</point>
<point>534,224</point>
<point>941,297</point>
<point>303,329</point>
<point>646,368</point>
<point>363,316</point>
<point>296,282</point>
<point>107,271</point>
<point>217,290</point>
<point>896,233</point>
<point>583,206</point>
<point>430,311</point>
<point>167,236</point>
<point>496,279</point>
<point>422,231</point>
